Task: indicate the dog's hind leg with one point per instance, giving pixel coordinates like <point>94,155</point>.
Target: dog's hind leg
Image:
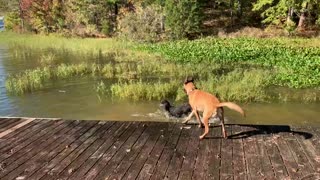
<point>206,117</point>
<point>221,117</point>
<point>198,119</point>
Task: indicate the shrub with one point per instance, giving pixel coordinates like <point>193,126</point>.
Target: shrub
<point>183,18</point>
<point>145,24</point>
<point>12,21</point>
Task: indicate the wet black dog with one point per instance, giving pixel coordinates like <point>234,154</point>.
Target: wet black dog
<point>180,111</point>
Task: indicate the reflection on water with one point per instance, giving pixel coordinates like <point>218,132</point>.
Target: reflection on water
<point>76,99</point>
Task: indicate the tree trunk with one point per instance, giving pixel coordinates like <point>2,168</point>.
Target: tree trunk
<point>302,19</point>
<point>290,14</point>
<point>231,12</point>
<point>239,10</point>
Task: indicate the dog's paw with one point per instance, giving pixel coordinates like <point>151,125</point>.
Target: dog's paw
<point>201,137</point>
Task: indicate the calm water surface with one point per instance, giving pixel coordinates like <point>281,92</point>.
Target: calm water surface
<point>76,99</point>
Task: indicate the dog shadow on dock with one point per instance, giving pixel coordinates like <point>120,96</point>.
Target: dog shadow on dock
<point>252,130</point>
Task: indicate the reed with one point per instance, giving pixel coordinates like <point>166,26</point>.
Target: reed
<point>144,90</point>
<point>33,80</point>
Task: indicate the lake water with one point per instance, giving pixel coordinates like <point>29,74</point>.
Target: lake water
<point>76,98</point>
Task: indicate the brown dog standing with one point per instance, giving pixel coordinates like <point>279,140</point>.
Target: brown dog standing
<point>208,104</point>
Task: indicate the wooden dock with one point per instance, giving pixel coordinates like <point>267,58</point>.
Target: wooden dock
<point>73,149</point>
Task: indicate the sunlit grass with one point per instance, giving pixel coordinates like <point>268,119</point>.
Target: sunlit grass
<point>74,44</point>
<point>238,85</point>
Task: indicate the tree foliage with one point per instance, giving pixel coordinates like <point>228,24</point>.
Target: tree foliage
<point>183,18</point>
<point>288,13</point>
<point>178,18</point>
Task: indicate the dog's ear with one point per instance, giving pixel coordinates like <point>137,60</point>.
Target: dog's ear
<point>188,80</point>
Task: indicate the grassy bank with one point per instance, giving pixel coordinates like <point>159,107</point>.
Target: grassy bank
<point>77,45</point>
<point>242,69</point>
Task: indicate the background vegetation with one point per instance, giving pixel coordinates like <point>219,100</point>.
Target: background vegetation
<point>240,69</point>
<point>154,20</point>
<point>170,40</point>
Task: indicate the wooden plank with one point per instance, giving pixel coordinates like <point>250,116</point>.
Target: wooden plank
<point>44,157</point>
<point>310,147</point>
<point>82,146</point>
<point>116,131</point>
<point>76,163</point>
<point>138,154</point>
<point>178,155</point>
<point>239,158</point>
<point>121,152</point>
<point>17,150</point>
<point>20,157</point>
<point>40,159</point>
<point>9,123</point>
<point>267,170</point>
<point>26,137</point>
<point>275,157</point>
<point>167,154</point>
<point>226,168</point>
<point>6,122</point>
<point>125,150</point>
<point>209,156</point>
<point>105,157</point>
<point>87,129</point>
<point>150,164</point>
<point>287,157</point>
<point>21,131</point>
<point>200,168</point>
<point>304,167</point>
<point>189,158</point>
<point>139,162</point>
<point>315,140</point>
<point>254,168</point>
<point>14,126</point>
<point>2,120</point>
<point>148,152</point>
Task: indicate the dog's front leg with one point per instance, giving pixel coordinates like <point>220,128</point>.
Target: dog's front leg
<point>188,118</point>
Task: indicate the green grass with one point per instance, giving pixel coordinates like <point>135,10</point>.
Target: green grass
<point>77,45</point>
<point>144,90</point>
<point>292,63</point>
<point>33,80</point>
<point>238,85</point>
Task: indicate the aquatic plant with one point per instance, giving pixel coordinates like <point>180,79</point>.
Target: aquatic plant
<point>140,90</point>
<point>32,80</point>
<point>293,64</point>
<point>238,85</point>
<point>48,59</point>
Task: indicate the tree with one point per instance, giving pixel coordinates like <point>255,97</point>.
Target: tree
<point>183,18</point>
<point>285,12</point>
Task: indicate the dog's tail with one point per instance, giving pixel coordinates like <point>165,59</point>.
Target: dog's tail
<point>232,106</point>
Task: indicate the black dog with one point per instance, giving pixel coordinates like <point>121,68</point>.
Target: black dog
<point>180,111</point>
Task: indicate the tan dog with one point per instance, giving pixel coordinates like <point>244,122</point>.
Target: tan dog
<point>208,104</point>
